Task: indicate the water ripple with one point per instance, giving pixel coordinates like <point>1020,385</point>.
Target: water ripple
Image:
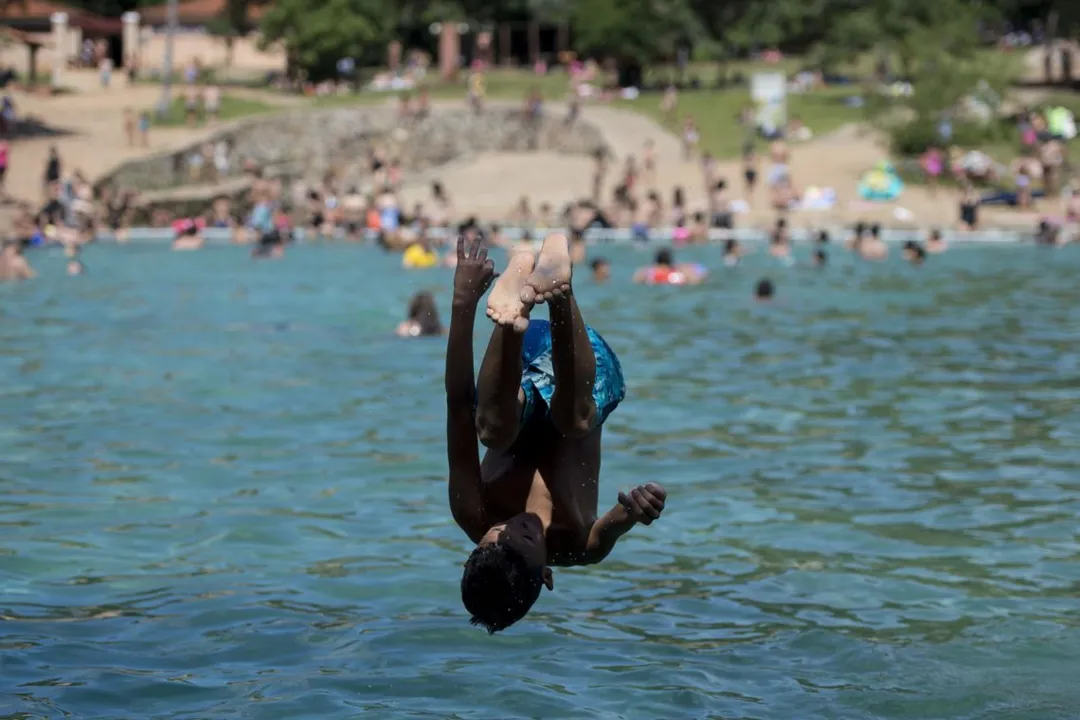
<point>223,496</point>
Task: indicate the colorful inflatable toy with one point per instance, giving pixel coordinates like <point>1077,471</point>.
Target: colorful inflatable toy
<point>881,184</point>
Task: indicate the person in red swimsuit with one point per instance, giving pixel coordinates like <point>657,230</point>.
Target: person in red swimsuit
<point>664,271</point>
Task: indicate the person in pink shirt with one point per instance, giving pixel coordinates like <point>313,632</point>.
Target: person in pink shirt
<point>933,164</point>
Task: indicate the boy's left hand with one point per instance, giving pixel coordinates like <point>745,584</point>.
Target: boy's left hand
<point>474,272</point>
<point>644,503</point>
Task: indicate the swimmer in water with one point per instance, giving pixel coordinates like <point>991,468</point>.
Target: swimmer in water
<point>423,320</point>
<point>764,291</point>
<point>936,243</point>
<point>855,240</point>
<point>601,270</point>
<point>270,246</point>
<point>819,259</point>
<point>874,248</point>
<point>577,247</point>
<point>544,391</point>
<point>75,265</point>
<point>914,253</point>
<point>664,271</point>
<point>188,235</point>
<point>732,252</point>
<point>13,264</point>
<point>780,241</point>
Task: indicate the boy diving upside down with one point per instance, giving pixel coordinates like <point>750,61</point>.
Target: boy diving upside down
<point>544,391</point>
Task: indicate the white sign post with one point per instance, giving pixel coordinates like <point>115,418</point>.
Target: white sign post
<point>131,38</point>
<point>60,47</point>
<point>769,93</point>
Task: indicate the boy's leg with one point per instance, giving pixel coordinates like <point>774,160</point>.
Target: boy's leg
<point>499,395</point>
<point>573,410</point>
<point>498,388</point>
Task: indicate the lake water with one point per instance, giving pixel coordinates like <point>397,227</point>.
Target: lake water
<point>222,495</point>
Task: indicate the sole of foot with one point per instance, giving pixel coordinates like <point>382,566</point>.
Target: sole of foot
<point>505,305</point>
<point>550,278</point>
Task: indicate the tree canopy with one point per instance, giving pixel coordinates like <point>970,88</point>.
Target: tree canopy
<point>835,31</point>
<point>317,33</point>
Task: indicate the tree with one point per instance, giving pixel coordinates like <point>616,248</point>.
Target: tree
<point>935,44</point>
<point>231,24</point>
<point>318,33</point>
<point>638,30</point>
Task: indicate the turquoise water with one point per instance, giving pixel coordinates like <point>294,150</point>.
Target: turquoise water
<point>222,495</point>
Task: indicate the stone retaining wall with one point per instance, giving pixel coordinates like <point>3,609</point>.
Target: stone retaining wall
<point>307,145</point>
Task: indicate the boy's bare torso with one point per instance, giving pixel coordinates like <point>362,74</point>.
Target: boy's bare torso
<point>570,468</point>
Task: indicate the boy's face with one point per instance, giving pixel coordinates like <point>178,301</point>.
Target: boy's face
<point>524,534</point>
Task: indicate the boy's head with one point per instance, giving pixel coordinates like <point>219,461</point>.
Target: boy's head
<point>505,573</point>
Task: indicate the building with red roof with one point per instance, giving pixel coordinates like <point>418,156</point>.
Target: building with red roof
<point>35,16</point>
<point>198,12</point>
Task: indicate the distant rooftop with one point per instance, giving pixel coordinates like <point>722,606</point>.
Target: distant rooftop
<point>196,12</point>
<point>36,15</point>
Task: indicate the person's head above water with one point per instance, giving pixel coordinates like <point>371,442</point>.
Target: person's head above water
<point>764,289</point>
<point>424,314</point>
<point>664,258</point>
<point>601,269</point>
<point>914,253</point>
<point>505,573</point>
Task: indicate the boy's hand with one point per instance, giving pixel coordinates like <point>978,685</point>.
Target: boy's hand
<point>474,273</point>
<point>644,503</point>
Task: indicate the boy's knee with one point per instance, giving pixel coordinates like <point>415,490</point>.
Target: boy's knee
<point>494,435</point>
<point>577,425</point>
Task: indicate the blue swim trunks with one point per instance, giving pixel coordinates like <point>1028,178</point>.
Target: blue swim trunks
<point>538,375</point>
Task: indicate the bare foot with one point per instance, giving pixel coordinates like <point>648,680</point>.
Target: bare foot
<point>505,304</point>
<point>550,278</point>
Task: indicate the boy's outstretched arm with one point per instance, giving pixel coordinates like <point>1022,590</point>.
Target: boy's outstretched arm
<point>641,505</point>
<point>471,279</point>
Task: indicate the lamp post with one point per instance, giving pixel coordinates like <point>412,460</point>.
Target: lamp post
<point>167,64</point>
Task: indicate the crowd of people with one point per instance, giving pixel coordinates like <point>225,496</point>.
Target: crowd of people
<point>73,216</point>
<point>625,193</point>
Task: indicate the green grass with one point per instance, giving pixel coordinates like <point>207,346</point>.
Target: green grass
<point>1002,143</point>
<point>232,107</point>
<point>715,110</point>
<point>501,84</point>
<point>716,113</point>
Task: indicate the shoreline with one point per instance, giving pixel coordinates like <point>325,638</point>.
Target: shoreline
<point>620,236</point>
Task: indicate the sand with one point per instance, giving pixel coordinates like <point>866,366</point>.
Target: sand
<point>490,184</point>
